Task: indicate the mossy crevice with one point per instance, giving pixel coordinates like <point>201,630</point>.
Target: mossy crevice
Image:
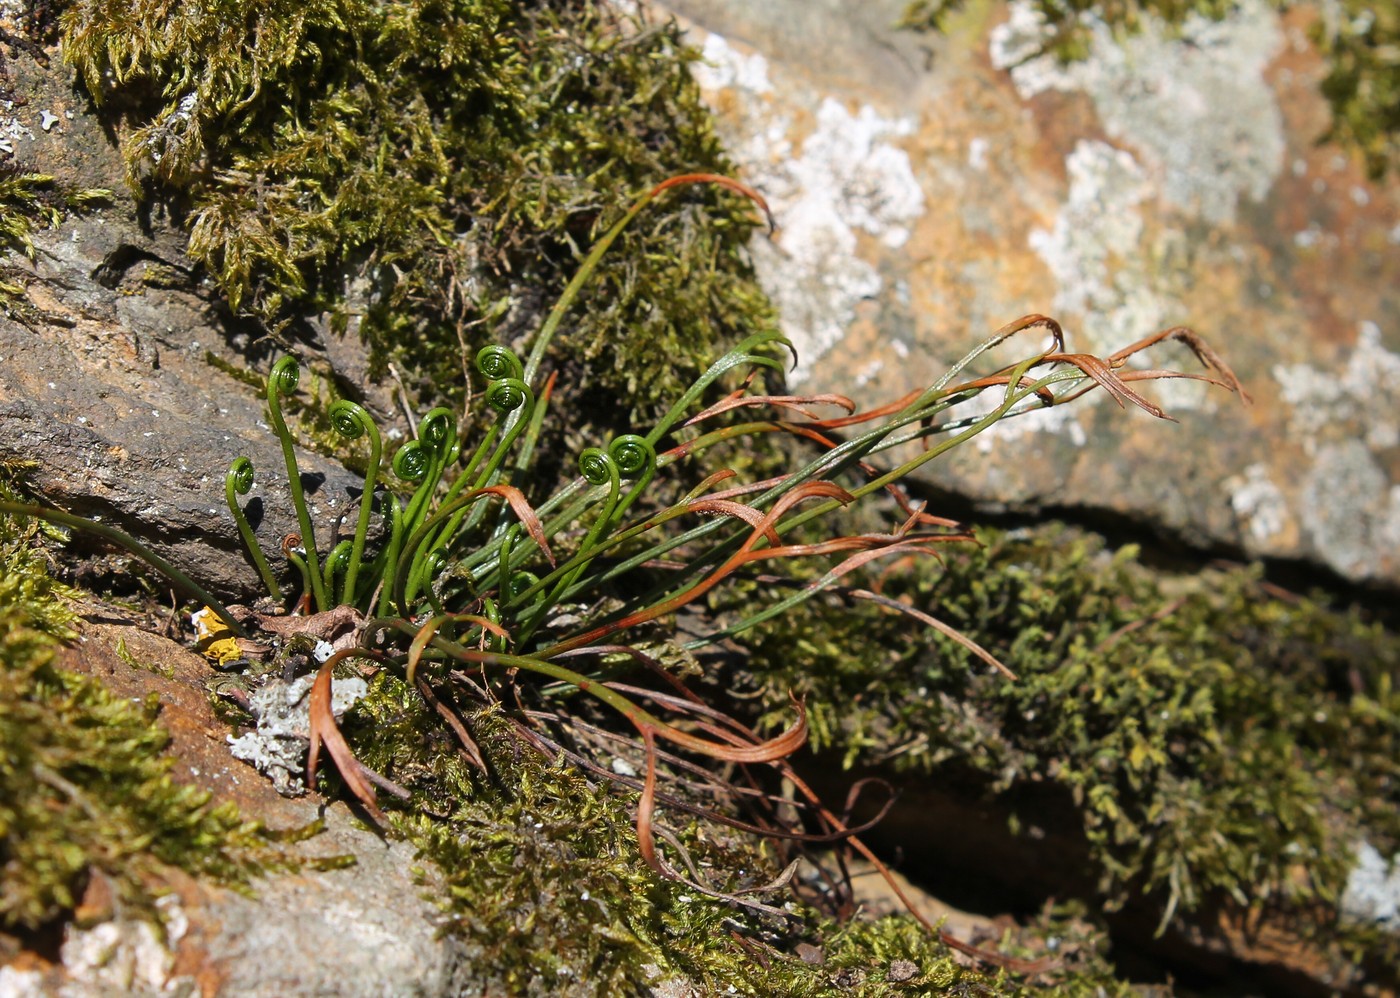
<point>540,852</point>
<point>1218,741</point>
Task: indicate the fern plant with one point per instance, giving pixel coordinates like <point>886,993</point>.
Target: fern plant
<point>472,582</point>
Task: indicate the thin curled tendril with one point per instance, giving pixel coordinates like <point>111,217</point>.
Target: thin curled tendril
<point>282,379</point>
<point>293,550</point>
<point>497,363</point>
<point>492,612</point>
<point>352,422</point>
<point>509,394</point>
<point>337,562</point>
<point>520,582</point>
<point>636,459</point>
<point>433,563</point>
<point>388,558</point>
<point>633,454</point>
<point>424,460</point>
<point>436,431</point>
<point>412,461</point>
<point>597,467</point>
<point>503,566</point>
<point>239,482</point>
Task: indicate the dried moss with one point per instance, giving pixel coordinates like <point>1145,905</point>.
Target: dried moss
<point>430,169</point>
<point>84,790</point>
<point>1217,741</point>
<point>1359,40</point>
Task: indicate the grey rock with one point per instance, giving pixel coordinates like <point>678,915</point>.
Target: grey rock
<point>110,391</point>
<point>359,932</point>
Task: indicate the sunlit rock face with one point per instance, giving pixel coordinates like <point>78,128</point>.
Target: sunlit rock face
<point>929,189</point>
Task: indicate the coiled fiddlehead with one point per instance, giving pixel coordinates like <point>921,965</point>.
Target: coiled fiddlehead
<point>352,422</point>
<point>513,400</point>
<point>424,460</point>
<point>412,461</point>
<point>633,454</point>
<point>497,363</point>
<point>437,432</point>
<point>636,458</point>
<point>239,482</point>
<point>508,394</point>
<point>281,380</point>
<point>598,468</point>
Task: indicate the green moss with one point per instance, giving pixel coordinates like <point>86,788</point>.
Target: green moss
<point>84,790</point>
<point>1359,40</point>
<point>1217,741</point>
<point>432,169</point>
<point>538,871</point>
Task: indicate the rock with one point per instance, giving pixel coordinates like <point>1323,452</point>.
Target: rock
<point>113,391</point>
<point>131,425</point>
<point>930,188</point>
<point>366,929</point>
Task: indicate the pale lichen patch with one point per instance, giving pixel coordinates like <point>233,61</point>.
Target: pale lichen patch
<point>1091,245</point>
<point>1109,287</point>
<point>1259,504</point>
<point>126,956</point>
<point>1195,106</point>
<point>1366,391</point>
<point>830,178</point>
<point>277,746</point>
<point>1351,509</point>
<point>1373,889</point>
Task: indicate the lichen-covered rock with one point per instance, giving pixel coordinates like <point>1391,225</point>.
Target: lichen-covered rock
<point>929,188</point>
<point>277,746</point>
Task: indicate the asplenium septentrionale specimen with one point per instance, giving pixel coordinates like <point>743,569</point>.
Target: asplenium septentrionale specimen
<point>472,585</point>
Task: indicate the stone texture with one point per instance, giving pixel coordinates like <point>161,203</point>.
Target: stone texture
<point>135,428</point>
<point>112,394</point>
<point>929,189</point>
<point>362,931</point>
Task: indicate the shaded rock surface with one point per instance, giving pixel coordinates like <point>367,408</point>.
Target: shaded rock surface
<point>113,394</point>
<point>929,189</point>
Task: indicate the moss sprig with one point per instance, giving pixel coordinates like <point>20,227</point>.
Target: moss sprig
<point>450,156</point>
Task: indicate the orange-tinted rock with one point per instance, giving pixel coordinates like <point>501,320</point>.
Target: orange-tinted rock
<point>929,189</point>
